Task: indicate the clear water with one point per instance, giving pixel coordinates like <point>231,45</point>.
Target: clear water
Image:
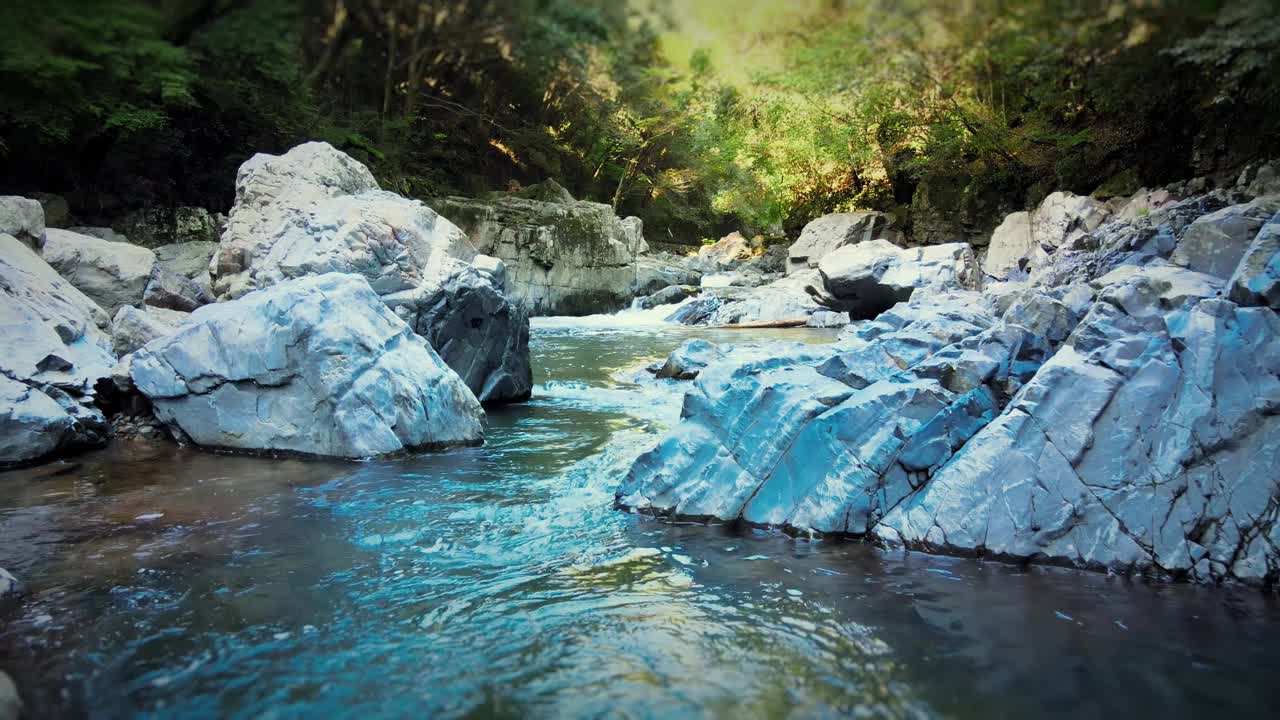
<point>499,582</point>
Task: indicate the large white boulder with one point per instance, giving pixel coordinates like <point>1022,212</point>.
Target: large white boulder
<point>112,274</point>
<point>1011,247</point>
<point>315,210</point>
<point>317,365</point>
<point>868,278</point>
<point>829,233</point>
<point>1062,219</point>
<point>1148,442</point>
<point>23,218</point>
<point>53,350</point>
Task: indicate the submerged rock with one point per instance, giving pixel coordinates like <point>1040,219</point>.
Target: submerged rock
<point>315,210</point>
<point>53,350</point>
<point>316,365</point>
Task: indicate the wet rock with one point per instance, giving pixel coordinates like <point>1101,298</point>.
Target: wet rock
<point>831,232</point>
<point>686,361</point>
<point>23,218</point>
<point>315,210</point>
<point>868,278</point>
<point>1216,242</point>
<point>316,365</point>
<point>1144,444</point>
<point>133,327</point>
<point>112,274</point>
<point>53,350</point>
<point>1256,280</point>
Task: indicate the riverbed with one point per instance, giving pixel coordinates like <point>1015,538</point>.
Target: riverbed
<point>500,581</point>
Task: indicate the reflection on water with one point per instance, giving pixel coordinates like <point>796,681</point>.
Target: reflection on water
<point>499,582</point>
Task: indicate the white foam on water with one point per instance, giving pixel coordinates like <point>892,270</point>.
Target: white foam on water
<point>632,317</point>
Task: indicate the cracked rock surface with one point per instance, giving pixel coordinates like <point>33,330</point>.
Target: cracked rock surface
<point>317,365</point>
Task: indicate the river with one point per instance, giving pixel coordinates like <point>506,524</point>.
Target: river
<point>500,582</point>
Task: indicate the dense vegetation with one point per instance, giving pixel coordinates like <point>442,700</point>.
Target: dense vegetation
<point>949,113</point>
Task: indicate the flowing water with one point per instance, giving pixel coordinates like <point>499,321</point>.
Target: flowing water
<point>499,582</point>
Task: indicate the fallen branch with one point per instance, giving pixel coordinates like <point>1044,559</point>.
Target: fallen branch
<point>788,323</point>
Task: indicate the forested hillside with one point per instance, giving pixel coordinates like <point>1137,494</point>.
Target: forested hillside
<point>950,114</point>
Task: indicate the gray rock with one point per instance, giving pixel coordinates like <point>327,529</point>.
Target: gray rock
<point>494,267</point>
<point>669,295</point>
<point>132,327</point>
<point>868,278</point>
<point>1265,182</point>
<point>686,361</point>
<point>112,274</point>
<point>22,218</point>
<point>316,365</point>
<point>57,213</point>
<point>654,273</point>
<point>52,353</point>
<point>315,210</point>
<point>1146,443</point>
<point>8,584</point>
<point>156,226</point>
<point>726,253</point>
<point>828,319</point>
<point>1011,247</point>
<point>832,232</point>
<point>782,299</point>
<point>1216,242</point>
<point>475,330</point>
<point>10,700</point>
<point>1256,280</point>
<point>1063,219</point>
<point>188,259</point>
<point>172,291</point>
<point>102,233</point>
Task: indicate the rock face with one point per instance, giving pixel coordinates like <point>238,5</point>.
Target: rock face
<point>867,278</point>
<point>1111,411</point>
<point>315,210</point>
<point>23,219</point>
<point>1149,441</point>
<point>316,365</point>
<point>52,352</point>
<point>563,257</point>
<point>112,274</point>
<point>1256,280</point>
<point>832,232</point>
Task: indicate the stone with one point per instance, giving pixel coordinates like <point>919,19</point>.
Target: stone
<point>868,278</point>
<point>8,585</point>
<point>132,327</point>
<point>563,258</point>
<point>1256,280</point>
<point>655,273</point>
<point>686,361</point>
<point>102,233</point>
<point>475,330</point>
<point>317,365</point>
<point>172,291</point>
<point>57,213</point>
<point>1144,202</point>
<point>1265,182</point>
<point>782,299</point>
<point>10,700</point>
<point>1216,242</point>
<point>53,351</point>
<point>1011,247</point>
<point>112,274</point>
<point>1062,219</point>
<point>494,267</point>
<point>188,259</point>
<point>831,232</point>
<point>726,253</point>
<point>315,210</point>
<point>827,319</point>
<point>22,218</point>
<point>156,226</point>
<point>669,295</point>
<point>1145,444</point>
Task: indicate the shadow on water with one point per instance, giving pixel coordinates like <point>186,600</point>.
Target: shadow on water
<point>499,582</point>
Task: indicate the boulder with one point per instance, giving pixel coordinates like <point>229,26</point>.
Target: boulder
<point>563,258</point>
<point>1011,247</point>
<point>156,226</point>
<point>315,210</point>
<point>22,218</point>
<point>112,274</point>
<point>669,295</point>
<point>317,365</point>
<point>170,290</point>
<point>52,353</point>
<point>191,260</point>
<point>1145,444</point>
<point>831,232</point>
<point>686,361</point>
<point>1063,219</point>
<point>474,329</point>
<point>726,253</point>
<point>57,213</point>
<point>8,584</point>
<point>1216,242</point>
<point>653,273</point>
<point>133,327</point>
<point>494,267</point>
<point>1256,280</point>
<point>782,299</point>
<point>868,278</point>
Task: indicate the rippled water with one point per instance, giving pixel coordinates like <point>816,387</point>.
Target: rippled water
<point>499,582</point>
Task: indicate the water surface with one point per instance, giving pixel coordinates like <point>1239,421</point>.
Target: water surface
<point>499,582</point>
